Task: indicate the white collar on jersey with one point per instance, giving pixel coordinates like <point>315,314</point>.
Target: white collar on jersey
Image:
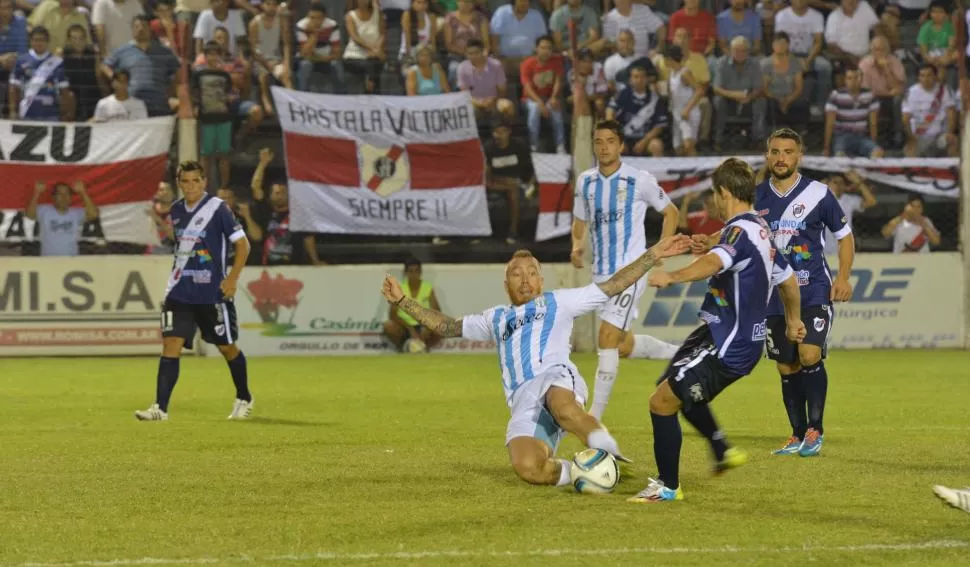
<point>748,212</point>
<point>197,204</point>
<point>600,173</point>
<point>783,195</point>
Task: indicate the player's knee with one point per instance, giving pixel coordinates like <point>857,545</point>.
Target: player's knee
<point>786,368</point>
<point>610,336</point>
<point>229,352</point>
<point>531,468</point>
<point>172,347</point>
<point>809,356</point>
<point>660,402</point>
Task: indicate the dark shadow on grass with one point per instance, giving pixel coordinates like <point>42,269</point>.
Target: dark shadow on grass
<point>290,422</point>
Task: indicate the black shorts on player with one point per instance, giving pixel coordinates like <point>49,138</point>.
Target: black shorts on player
<point>818,321</point>
<point>695,374</point>
<point>215,321</point>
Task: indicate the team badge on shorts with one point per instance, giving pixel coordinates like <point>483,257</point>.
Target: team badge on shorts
<point>818,323</point>
<point>696,393</point>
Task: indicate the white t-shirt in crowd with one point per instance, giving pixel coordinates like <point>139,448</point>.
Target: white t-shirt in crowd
<point>801,30</point>
<point>910,237</point>
<point>205,27</point>
<point>110,109</point>
<point>616,63</point>
<point>641,21</point>
<point>116,18</point>
<point>850,203</point>
<point>851,34</point>
<point>926,111</point>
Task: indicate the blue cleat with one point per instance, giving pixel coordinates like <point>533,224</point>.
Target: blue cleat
<point>792,447</point>
<point>812,445</point>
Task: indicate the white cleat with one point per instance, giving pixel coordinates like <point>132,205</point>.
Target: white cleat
<point>153,413</point>
<point>954,497</point>
<point>241,409</point>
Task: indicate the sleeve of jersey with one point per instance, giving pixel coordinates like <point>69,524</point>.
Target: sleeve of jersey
<point>580,300</point>
<point>780,269</point>
<point>232,229</point>
<point>733,242</point>
<point>477,327</point>
<point>579,203</point>
<point>834,218</point>
<point>652,192</point>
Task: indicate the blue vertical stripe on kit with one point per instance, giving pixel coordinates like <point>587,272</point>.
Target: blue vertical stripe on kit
<point>614,189</point>
<point>509,317</point>
<point>497,326</point>
<point>547,323</point>
<point>598,196</point>
<point>631,188</point>
<point>525,345</point>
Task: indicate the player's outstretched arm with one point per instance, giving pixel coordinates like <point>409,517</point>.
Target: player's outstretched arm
<point>439,323</point>
<point>700,269</point>
<point>631,273</point>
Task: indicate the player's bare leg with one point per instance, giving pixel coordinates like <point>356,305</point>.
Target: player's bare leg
<point>395,332</point>
<point>243,406</point>
<point>168,376</point>
<point>815,382</point>
<point>533,461</point>
<point>571,416</point>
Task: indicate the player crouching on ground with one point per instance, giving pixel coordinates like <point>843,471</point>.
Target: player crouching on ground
<point>400,327</point>
<point>543,388</point>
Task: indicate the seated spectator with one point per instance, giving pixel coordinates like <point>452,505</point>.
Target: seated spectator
<point>60,224</point>
<point>705,221</point>
<point>401,327</point>
<point>642,113</point>
<point>320,50</point>
<point>576,14</point>
<point>702,26</point>
<point>80,67</point>
<point>888,27</point>
<point>685,94</point>
<point>159,212</point>
<point>937,39</point>
<point>739,20</point>
<point>270,36</point>
<point>151,66</point>
<point>38,86</point>
<point>883,73</point>
<point>212,96</point>
<point>589,73</point>
<point>57,17</point>
<point>218,16</point>
<point>738,89</point>
<point>461,26</point>
<point>119,105</point>
<point>165,28</point>
<point>366,41</point>
<point>852,120</point>
<point>847,32</point>
<point>911,231</point>
<point>647,28</point>
<point>508,166</point>
<point>112,23</point>
<point>784,86</point>
<point>484,78</point>
<point>516,28</point>
<point>930,117</point>
<point>542,78</point>
<point>419,27</point>
<point>623,60</point>
<point>854,196</point>
<point>13,43</point>
<point>426,76</point>
<point>271,214</point>
<point>805,27</point>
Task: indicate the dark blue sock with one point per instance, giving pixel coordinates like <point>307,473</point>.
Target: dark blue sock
<point>237,367</point>
<point>667,439</point>
<point>168,375</point>
<point>702,419</point>
<point>793,394</point>
<point>816,387</point>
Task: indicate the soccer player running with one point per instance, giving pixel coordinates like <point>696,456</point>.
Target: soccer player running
<point>543,388</point>
<point>611,202</point>
<point>200,291</point>
<point>743,269</point>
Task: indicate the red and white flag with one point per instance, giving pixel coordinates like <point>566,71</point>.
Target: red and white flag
<point>121,164</point>
<point>383,164</point>
<point>555,178</point>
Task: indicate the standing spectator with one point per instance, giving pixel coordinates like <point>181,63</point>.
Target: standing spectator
<point>426,77</point>
<point>241,104</point>
<point>847,31</point>
<point>852,120</point>
<point>911,231</point>
<point>883,74</point>
<point>419,27</point>
<point>783,87</point>
<point>151,66</point>
<point>508,166</point>
<point>937,39</point>
<point>516,29</point>
<point>13,43</point>
<point>366,41</point>
<point>461,26</point>
<point>218,16</point>
<point>642,113</point>
<point>625,59</point>
<point>484,78</point>
<point>165,28</point>
<point>647,28</point>
<point>805,28</point>
<point>38,86</point>
<point>81,70</point>
<point>272,221</point>
<point>112,21</point>
<point>542,77</point>
<point>930,117</point>
<point>320,49</point>
<point>119,105</point>
<point>589,73</point>
<point>737,20</point>
<point>854,196</point>
<point>888,27</point>
<point>698,67</point>
<point>213,92</point>
<point>738,86</point>
<point>685,94</point>
<point>159,213</point>
<point>58,17</point>
<point>270,35</point>
<point>577,15</point>
<point>60,224</point>
<point>705,221</point>
<point>702,26</point>
<point>401,327</point>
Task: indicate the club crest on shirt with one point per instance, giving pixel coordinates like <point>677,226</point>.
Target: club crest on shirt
<point>798,210</point>
<point>818,323</point>
<point>734,234</point>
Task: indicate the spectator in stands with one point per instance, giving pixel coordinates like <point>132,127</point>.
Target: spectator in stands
<point>13,43</point>
<point>151,66</point>
<point>112,21</point>
<point>272,220</point>
<point>218,16</point>
<point>119,105</point>
<point>484,78</point>
<point>854,196</point>
<point>577,15</point>
<point>401,327</point>
<point>705,221</point>
<point>38,86</point>
<point>516,29</point>
<point>212,90</point>
<point>159,213</point>
<point>426,77</point>
<point>805,27</point>
<point>911,231</point>
<point>697,64</point>
<point>320,51</point>
<point>685,94</point>
<point>542,78</point>
<point>930,117</point>
<point>647,28</point>
<point>366,43</point>
<point>702,26</point>
<point>784,86</point>
<point>165,28</point>
<point>57,17</point>
<point>737,20</point>
<point>81,69</point>
<point>847,32</point>
<point>738,89</point>
<point>589,73</point>
<point>461,26</point>
<point>852,120</point>
<point>270,35</point>
<point>623,60</point>
<point>883,73</point>
<point>508,166</point>
<point>888,27</point>
<point>937,39</point>
<point>240,70</point>
<point>419,27</point>
<point>60,224</point>
<point>642,113</point>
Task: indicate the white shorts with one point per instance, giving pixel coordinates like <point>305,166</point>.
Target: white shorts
<point>686,129</point>
<point>530,418</point>
<point>621,310</point>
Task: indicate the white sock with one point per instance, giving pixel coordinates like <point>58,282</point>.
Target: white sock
<point>601,439</point>
<point>609,362</point>
<point>645,346</point>
<point>564,477</point>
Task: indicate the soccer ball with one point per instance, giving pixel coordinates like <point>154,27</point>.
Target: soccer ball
<point>594,471</point>
<point>415,346</point>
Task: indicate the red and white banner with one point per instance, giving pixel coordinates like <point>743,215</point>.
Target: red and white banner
<point>121,164</point>
<point>937,177</point>
<point>383,164</point>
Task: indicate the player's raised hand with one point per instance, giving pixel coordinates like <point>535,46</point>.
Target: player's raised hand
<point>576,257</point>
<point>672,246</point>
<point>795,331</point>
<point>659,279</point>
<point>391,289</point>
<point>841,290</point>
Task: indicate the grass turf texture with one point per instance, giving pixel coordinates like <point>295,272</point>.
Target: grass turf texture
<point>399,460</point>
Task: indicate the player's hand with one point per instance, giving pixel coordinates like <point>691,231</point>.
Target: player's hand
<point>672,246</point>
<point>391,289</point>
<point>576,257</point>
<point>700,243</point>
<point>228,287</point>
<point>841,290</point>
<point>795,330</point>
<point>659,279</point>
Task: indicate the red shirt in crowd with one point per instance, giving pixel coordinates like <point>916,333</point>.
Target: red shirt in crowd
<point>542,76</point>
<point>700,223</point>
<point>171,40</point>
<point>702,27</point>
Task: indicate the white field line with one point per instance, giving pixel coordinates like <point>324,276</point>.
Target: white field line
<point>472,554</point>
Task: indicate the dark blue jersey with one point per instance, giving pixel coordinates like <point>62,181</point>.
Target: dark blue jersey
<point>735,307</point>
<point>798,221</point>
<point>204,236</point>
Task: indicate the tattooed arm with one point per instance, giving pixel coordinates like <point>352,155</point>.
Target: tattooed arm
<point>630,274</point>
<point>439,323</point>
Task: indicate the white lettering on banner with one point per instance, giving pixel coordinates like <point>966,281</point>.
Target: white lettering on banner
<point>434,121</point>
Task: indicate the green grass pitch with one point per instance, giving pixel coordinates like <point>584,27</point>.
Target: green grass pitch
<point>399,461</point>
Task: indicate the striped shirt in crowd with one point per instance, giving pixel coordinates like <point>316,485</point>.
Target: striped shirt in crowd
<point>852,112</point>
<point>642,22</point>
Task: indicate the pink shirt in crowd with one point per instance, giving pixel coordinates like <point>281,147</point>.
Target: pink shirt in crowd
<point>482,83</point>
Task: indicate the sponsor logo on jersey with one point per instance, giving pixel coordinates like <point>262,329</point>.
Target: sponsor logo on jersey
<point>802,276</point>
<point>519,322</point>
<point>199,276</point>
<point>719,297</point>
<point>709,318</point>
<point>759,331</point>
<point>798,253</point>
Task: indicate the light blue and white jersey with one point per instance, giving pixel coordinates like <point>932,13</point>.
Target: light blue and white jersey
<point>614,208</point>
<point>534,337</point>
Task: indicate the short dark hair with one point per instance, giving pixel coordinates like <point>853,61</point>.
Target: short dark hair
<point>782,35</point>
<point>212,46</point>
<point>77,27</point>
<point>785,134</point>
<point>189,165</point>
<point>60,184</point>
<point>545,38</point>
<point>141,18</point>
<point>913,197</point>
<point>926,66</point>
<point>612,126</point>
<point>165,3</point>
<point>735,176</point>
<point>121,73</point>
<point>411,261</point>
<point>40,30</point>
<point>318,7</point>
<point>938,4</point>
<point>851,67</point>
<point>475,42</point>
